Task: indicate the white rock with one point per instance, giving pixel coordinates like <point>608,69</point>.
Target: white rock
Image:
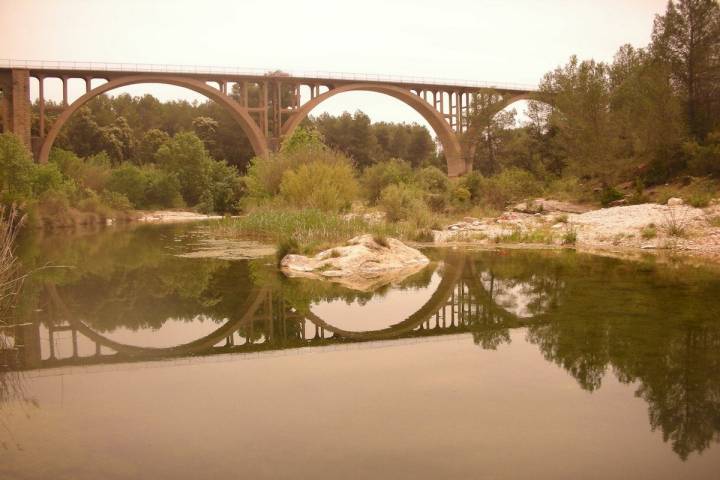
<point>362,264</point>
<point>674,202</point>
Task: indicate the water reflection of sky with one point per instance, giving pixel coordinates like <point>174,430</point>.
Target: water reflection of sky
<point>381,311</point>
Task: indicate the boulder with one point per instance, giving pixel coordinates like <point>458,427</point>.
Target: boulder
<point>674,202</point>
<point>364,263</point>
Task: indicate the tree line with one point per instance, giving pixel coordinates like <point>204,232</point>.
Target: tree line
<point>651,114</point>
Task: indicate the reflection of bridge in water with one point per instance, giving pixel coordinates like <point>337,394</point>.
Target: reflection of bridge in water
<point>461,303</point>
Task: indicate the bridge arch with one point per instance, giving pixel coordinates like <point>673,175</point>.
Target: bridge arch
<point>448,138</point>
<point>240,114</point>
<point>469,146</point>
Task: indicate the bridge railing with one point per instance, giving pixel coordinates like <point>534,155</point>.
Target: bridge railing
<point>254,72</point>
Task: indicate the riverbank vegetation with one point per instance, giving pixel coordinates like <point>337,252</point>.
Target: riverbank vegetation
<point>644,127</point>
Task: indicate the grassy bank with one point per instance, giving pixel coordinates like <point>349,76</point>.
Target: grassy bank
<point>313,229</point>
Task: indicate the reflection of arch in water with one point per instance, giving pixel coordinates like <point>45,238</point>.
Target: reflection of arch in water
<point>252,304</point>
<point>456,269</point>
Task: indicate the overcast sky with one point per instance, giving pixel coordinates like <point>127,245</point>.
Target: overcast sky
<point>485,40</point>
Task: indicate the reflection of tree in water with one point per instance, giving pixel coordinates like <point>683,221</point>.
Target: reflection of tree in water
<point>653,325</point>
<point>511,293</point>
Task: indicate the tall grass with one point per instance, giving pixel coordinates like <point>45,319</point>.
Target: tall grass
<point>10,284</point>
<point>310,229</point>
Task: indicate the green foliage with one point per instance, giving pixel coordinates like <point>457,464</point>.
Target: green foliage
<point>704,159</point>
<point>312,229</point>
<point>569,236</point>
<point>432,180</point>
<point>162,189</point>
<point>17,170</point>
<point>129,181</point>
<point>608,195</point>
<point>286,246</point>
<point>381,175</point>
<point>325,185</point>
<point>116,201</point>
<point>648,232</point>
<point>224,189</point>
<point>185,155</point>
<point>302,139</point>
<point>512,184</point>
<point>401,202</point>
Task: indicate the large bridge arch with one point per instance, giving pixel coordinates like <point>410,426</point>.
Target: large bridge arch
<point>448,138</point>
<point>468,144</point>
<point>240,114</point>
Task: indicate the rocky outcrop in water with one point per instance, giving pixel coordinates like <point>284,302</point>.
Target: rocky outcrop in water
<point>364,263</point>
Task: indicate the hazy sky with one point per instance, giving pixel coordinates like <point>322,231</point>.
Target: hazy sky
<point>505,41</point>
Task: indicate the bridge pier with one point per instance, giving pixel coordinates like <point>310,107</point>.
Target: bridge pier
<point>15,104</point>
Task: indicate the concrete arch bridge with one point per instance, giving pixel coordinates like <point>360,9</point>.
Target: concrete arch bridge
<point>267,106</point>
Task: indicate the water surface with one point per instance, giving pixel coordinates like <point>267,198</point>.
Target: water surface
<point>134,362</point>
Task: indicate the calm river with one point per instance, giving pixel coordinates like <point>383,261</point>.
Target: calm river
<point>132,361</point>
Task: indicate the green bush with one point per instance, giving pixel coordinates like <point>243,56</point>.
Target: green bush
<point>432,180</point>
<point>330,187</point>
<point>116,201</point>
<point>130,181</point>
<point>224,190</point>
<point>461,197</point>
<point>48,177</point>
<point>92,172</point>
<point>392,172</point>
<point>401,202</point>
<point>512,184</point>
<point>185,156</point>
<point>162,189</point>
<point>17,170</point>
<point>608,195</point>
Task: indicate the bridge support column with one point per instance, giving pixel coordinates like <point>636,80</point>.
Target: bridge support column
<point>15,86</point>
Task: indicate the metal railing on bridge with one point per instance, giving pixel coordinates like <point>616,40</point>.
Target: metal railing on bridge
<point>254,72</point>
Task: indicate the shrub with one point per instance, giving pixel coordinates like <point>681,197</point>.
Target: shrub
<point>474,183</point>
<point>511,184</point>
<point>92,172</point>
<point>461,197</point>
<point>392,172</point>
<point>48,177</point>
<point>608,195</point>
<point>116,201</point>
<point>567,189</point>
<point>401,202</point>
<point>185,156</point>
<point>303,139</point>
<point>699,199</point>
<point>130,181</point>
<point>432,180</point>
<point>53,204</point>
<point>162,189</point>
<point>16,170</point>
<point>326,186</point>
<point>648,232</point>
<point>224,189</point>
<point>570,236</point>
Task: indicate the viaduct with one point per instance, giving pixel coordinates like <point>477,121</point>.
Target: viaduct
<point>267,106</point>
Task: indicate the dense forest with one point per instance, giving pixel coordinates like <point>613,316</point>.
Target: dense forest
<point>597,132</point>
